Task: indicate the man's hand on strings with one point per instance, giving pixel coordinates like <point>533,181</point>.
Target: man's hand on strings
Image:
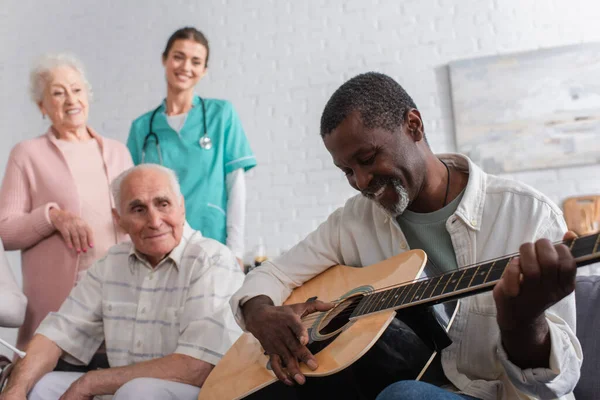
<point>283,336</point>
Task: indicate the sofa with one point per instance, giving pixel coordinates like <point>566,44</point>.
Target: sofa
<point>587,297</point>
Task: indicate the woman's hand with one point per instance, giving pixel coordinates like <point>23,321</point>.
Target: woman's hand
<point>75,231</point>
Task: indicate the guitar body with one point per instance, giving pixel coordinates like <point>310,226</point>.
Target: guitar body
<point>245,369</point>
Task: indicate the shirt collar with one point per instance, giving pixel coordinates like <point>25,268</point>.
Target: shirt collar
<point>163,105</point>
<point>175,255</point>
<point>51,135</point>
<point>470,209</point>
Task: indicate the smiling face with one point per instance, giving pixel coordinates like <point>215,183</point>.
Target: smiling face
<point>65,99</point>
<point>386,167</point>
<point>185,64</point>
<point>151,213</point>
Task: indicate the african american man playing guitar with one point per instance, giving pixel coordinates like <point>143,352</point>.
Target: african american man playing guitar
<point>515,343</point>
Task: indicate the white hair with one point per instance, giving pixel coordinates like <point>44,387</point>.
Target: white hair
<point>116,184</point>
<point>39,73</point>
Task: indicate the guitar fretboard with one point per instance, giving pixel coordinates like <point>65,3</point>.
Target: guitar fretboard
<point>461,282</point>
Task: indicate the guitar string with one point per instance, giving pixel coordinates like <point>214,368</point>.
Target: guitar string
<point>473,266</point>
<point>348,311</point>
<point>311,318</point>
<point>314,316</point>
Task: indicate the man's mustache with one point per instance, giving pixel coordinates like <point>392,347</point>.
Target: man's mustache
<point>376,185</point>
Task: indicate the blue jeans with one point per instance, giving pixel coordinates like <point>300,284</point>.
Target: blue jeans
<point>415,390</point>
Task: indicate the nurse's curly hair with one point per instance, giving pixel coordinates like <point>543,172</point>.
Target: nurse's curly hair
<point>380,100</point>
<point>187,33</point>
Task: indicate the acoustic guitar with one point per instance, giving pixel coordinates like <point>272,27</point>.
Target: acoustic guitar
<point>366,300</point>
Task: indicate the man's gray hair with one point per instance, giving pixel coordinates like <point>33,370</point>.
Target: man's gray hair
<point>39,73</point>
<point>118,181</point>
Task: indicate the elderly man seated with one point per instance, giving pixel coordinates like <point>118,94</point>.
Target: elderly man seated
<point>160,303</point>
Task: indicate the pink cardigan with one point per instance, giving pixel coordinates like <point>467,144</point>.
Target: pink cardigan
<point>37,176</point>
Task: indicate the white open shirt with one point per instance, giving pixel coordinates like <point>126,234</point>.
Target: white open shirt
<point>493,219</point>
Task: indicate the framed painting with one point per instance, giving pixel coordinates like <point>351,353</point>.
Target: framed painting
<point>532,110</point>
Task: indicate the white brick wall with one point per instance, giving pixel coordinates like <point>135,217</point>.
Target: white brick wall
<point>278,61</point>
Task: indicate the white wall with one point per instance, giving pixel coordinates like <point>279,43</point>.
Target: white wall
<point>278,61</point>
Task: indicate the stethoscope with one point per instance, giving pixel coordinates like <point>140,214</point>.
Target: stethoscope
<point>204,141</point>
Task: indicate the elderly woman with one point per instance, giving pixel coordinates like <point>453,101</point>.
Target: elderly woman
<point>55,203</point>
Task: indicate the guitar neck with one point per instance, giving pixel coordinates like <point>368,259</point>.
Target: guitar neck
<point>462,282</point>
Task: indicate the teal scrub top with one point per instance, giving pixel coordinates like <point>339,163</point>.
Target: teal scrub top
<point>201,172</point>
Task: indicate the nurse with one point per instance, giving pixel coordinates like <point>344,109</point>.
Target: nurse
<point>201,139</point>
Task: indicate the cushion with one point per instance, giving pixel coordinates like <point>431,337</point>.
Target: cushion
<point>587,297</point>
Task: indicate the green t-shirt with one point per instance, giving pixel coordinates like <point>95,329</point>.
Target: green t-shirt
<point>428,232</point>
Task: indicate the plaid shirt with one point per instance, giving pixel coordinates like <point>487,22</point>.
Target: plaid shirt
<point>180,306</point>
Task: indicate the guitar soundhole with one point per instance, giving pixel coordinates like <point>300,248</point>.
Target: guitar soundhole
<point>337,318</point>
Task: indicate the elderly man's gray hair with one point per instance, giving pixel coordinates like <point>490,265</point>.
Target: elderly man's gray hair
<point>43,66</point>
<point>118,181</point>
